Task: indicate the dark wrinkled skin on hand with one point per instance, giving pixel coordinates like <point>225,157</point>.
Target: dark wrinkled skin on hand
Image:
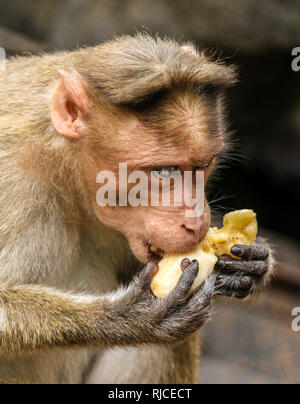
<point>239,278</point>
<point>166,320</point>
<point>145,319</point>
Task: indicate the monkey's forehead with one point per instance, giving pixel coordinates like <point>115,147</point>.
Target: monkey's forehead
<point>141,146</point>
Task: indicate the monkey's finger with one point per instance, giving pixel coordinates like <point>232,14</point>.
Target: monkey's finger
<point>203,295</point>
<point>256,268</point>
<point>221,263</point>
<point>257,252</point>
<point>185,282</point>
<point>146,276</point>
<point>195,312</point>
<point>243,283</point>
<point>239,287</point>
<point>177,298</point>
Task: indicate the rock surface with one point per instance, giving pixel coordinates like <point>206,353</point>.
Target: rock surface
<point>248,25</point>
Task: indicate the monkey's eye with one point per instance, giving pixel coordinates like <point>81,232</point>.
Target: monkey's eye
<point>204,166</point>
<point>166,172</point>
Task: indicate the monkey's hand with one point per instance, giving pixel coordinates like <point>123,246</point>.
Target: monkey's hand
<point>241,278</point>
<point>142,318</point>
<point>131,316</point>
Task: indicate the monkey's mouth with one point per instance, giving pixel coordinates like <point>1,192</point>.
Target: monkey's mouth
<point>155,254</point>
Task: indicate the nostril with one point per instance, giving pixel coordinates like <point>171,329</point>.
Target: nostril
<point>189,230</point>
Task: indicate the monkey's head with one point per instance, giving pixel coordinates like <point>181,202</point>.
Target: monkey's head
<point>158,106</point>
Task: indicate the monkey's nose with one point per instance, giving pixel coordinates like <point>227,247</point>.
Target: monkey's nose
<point>196,229</point>
<point>193,231</point>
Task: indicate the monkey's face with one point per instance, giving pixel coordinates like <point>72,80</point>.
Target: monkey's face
<point>158,183</point>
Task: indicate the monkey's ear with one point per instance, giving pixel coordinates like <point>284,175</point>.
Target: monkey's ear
<point>70,105</point>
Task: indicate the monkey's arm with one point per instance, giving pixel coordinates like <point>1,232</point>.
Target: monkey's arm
<point>241,278</point>
<point>38,318</point>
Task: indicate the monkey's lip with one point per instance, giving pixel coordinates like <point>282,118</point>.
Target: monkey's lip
<point>155,254</point>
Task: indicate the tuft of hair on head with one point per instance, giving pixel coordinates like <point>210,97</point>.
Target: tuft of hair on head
<point>130,70</point>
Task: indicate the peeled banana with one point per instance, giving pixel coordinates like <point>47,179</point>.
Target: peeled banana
<point>240,227</point>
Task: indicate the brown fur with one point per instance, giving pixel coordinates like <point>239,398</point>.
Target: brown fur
<point>59,265</point>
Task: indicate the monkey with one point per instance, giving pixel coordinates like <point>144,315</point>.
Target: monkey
<point>75,276</point>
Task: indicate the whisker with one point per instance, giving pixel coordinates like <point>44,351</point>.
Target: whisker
<point>222,198</point>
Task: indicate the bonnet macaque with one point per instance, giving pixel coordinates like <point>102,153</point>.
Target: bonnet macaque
<point>76,302</point>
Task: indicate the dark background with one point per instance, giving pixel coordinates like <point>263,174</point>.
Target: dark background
<point>264,169</point>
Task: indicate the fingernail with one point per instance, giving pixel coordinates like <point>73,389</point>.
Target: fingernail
<point>221,264</point>
<point>185,263</point>
<point>195,264</point>
<point>237,251</point>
